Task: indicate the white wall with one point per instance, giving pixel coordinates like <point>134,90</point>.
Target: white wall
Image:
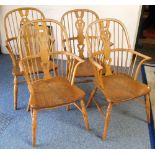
<point>129,15</point>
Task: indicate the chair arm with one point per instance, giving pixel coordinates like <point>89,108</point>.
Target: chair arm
<point>72,64</point>
<point>97,65</point>
<point>144,58</point>
<point>140,55</point>
<point>67,53</point>
<point>10,52</point>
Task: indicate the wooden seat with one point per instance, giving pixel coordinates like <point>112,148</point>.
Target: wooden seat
<point>13,20</point>
<point>123,88</point>
<point>61,92</point>
<point>49,90</point>
<point>85,69</point>
<point>119,62</point>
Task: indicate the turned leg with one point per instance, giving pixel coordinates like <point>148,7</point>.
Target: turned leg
<point>147,107</point>
<point>34,126</point>
<point>85,115</point>
<point>91,96</point>
<point>107,119</point>
<point>28,106</point>
<point>15,91</point>
<point>68,107</point>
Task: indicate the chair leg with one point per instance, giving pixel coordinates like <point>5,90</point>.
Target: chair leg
<point>68,107</point>
<point>92,94</point>
<point>56,72</point>
<point>147,106</point>
<point>34,126</point>
<point>28,106</point>
<point>15,91</point>
<point>85,115</point>
<point>107,119</point>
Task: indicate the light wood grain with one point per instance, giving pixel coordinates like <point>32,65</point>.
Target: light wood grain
<point>119,83</point>
<point>76,21</point>
<point>54,88</point>
<point>13,20</point>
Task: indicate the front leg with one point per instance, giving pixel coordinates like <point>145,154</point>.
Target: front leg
<point>84,113</point>
<point>107,119</point>
<point>34,126</point>
<point>92,94</point>
<point>147,106</point>
<point>15,91</point>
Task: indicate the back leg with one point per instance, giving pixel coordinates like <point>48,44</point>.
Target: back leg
<point>107,120</point>
<point>85,115</point>
<point>147,107</point>
<point>92,94</point>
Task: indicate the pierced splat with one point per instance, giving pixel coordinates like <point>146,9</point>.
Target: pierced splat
<point>105,37</point>
<point>24,16</point>
<point>80,24</point>
<point>76,21</point>
<point>42,39</point>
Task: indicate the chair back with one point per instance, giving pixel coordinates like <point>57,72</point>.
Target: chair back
<point>76,22</point>
<point>44,40</point>
<point>13,20</point>
<point>109,45</point>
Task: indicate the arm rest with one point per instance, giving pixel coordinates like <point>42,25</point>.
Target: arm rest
<point>143,59</point>
<point>10,51</point>
<point>73,62</point>
<point>140,55</point>
<point>67,53</point>
<point>97,65</point>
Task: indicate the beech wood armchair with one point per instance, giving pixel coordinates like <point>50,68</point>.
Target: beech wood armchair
<point>13,20</point>
<point>120,85</point>
<point>51,89</point>
<point>76,21</point>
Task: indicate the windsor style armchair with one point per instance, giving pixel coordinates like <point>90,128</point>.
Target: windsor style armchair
<point>51,89</point>
<point>120,85</point>
<point>76,22</point>
<point>13,20</point>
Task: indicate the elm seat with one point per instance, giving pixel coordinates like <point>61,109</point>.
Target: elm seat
<point>61,93</point>
<point>124,85</point>
<point>85,69</point>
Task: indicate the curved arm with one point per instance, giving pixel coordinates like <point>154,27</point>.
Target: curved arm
<point>97,65</point>
<point>144,58</point>
<point>97,71</point>
<point>67,53</point>
<point>72,64</point>
<point>10,52</point>
<point>140,55</point>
